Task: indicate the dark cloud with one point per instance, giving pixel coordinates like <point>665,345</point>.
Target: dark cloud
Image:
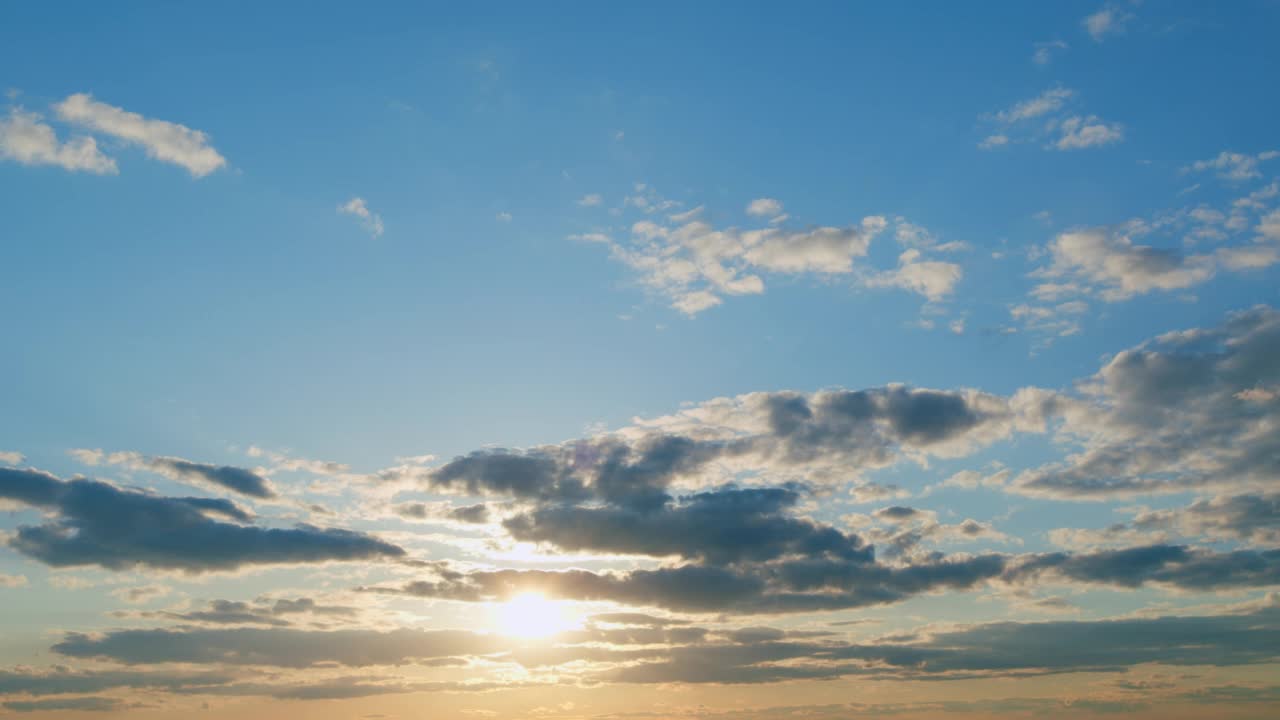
<point>996,649</point>
<point>728,525</point>
<point>852,430</point>
<point>805,584</point>
<point>1169,565</point>
<point>279,647</point>
<point>1190,410</point>
<point>470,514</point>
<point>245,482</point>
<point>99,524</point>
<point>262,612</point>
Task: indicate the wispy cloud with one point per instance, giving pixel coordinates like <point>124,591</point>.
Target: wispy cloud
<point>371,221</point>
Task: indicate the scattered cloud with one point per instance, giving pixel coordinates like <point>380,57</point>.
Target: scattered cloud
<point>165,141</point>
<point>28,141</point>
<point>1107,21</point>
<point>371,221</point>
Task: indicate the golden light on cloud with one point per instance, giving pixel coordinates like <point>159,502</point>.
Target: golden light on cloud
<point>530,615</point>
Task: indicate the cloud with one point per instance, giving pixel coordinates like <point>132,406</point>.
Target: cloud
<point>1173,566</point>
<point>140,595</point>
<point>1078,133</point>
<point>1063,131</point>
<point>164,141</point>
<point>12,458</point>
<point>695,265</point>
<point>1046,102</point>
<point>12,581</point>
<point>1109,20</point>
<point>279,647</point>
<point>66,681</point>
<point>1119,268</point>
<point>1252,518</point>
<point>764,207</point>
<point>591,200</point>
<point>1234,166</point>
<point>225,477</point>
<point>371,221</point>
<point>264,611</point>
<point>76,704</point>
<point>817,436</point>
<point>26,140</point>
<point>992,142</point>
<point>723,526</point>
<point>1045,51</point>
<point>1006,649</point>
<point>933,279</point>
<point>95,523</point>
<point>1168,416</point>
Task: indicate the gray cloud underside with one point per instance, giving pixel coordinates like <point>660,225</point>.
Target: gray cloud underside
<point>829,583</point>
<point>97,523</point>
<point>1189,410</point>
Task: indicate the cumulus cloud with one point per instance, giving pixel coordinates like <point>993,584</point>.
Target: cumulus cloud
<point>695,264</point>
<point>25,139</point>
<point>165,141</point>
<point>95,523</point>
<point>1119,268</point>
<point>933,279</point>
<point>1077,133</point>
<point>764,207</point>
<point>1169,416</point>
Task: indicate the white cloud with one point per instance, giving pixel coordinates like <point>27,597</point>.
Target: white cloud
<point>591,200</point>
<point>1233,165</point>
<point>503,217</point>
<point>1118,268</point>
<point>162,140</point>
<point>1042,104</point>
<point>358,207</point>
<point>1078,133</point>
<point>764,207</point>
<point>1107,21</point>
<point>1073,132</point>
<point>11,458</point>
<point>931,278</point>
<point>695,264</point>
<point>27,140</point>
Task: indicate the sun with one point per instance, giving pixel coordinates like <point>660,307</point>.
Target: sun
<point>530,615</point>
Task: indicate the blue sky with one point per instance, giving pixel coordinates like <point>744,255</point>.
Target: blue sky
<point>263,237</point>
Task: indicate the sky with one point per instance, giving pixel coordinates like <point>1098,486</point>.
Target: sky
<point>710,360</point>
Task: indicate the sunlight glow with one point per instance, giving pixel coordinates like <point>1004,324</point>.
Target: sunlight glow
<point>530,615</point>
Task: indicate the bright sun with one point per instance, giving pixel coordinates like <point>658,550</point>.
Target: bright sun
<point>531,615</point>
